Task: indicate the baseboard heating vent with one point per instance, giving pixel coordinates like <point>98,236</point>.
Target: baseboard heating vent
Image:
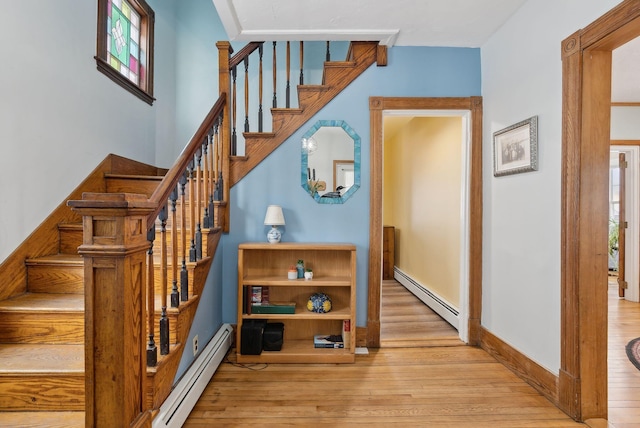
<point>431,299</point>
<point>176,408</point>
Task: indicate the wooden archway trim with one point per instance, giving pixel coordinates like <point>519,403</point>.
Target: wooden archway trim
<point>377,105</point>
<point>586,109</point>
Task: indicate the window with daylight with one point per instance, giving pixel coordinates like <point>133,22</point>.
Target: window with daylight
<point>125,45</point>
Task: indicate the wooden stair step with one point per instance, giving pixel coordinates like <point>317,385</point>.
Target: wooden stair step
<point>58,273</point>
<point>41,377</point>
<point>70,237</point>
<point>42,318</point>
<point>308,94</point>
<point>140,184</point>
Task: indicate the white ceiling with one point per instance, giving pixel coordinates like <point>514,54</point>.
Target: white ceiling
<point>453,23</point>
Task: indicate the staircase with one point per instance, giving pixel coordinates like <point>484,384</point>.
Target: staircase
<point>42,297</point>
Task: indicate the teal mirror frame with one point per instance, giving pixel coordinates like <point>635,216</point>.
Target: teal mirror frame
<point>356,162</point>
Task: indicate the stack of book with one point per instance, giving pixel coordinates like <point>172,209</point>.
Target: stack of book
<point>328,341</point>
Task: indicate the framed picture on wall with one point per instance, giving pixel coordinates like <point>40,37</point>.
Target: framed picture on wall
<point>515,148</point>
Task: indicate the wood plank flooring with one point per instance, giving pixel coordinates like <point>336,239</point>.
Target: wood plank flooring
<point>624,378</point>
<point>428,386</point>
<point>406,322</point>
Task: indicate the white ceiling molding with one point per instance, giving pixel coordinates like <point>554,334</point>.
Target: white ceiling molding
<point>385,37</point>
<point>229,17</point>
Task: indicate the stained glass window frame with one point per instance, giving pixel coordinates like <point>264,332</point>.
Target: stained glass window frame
<point>109,64</point>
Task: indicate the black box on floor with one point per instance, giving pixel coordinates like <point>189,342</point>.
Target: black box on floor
<point>272,336</point>
<point>251,337</point>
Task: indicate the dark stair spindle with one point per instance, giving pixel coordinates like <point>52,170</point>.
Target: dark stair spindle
<point>206,220</point>
<point>275,71</point>
<point>192,204</point>
<point>198,203</point>
<point>234,137</point>
<point>301,62</point>
<point>175,297</point>
<point>288,89</point>
<point>328,56</point>
<point>184,274</point>
<point>164,320</point>
<point>260,90</point>
<point>246,94</point>
<point>152,349</point>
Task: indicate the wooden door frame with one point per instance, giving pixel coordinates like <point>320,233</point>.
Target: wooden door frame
<point>586,110</point>
<point>377,105</point>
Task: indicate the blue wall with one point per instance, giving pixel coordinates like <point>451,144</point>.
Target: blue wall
<point>411,72</point>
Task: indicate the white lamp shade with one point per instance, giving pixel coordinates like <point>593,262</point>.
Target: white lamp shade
<point>274,216</point>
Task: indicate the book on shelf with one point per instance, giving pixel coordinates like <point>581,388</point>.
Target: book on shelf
<point>346,333</point>
<point>274,308</point>
<point>328,341</point>
<point>255,295</point>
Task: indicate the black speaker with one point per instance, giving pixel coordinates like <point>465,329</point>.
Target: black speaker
<point>251,337</point>
<point>272,336</point>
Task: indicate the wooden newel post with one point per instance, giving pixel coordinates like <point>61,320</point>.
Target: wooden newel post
<point>114,249</point>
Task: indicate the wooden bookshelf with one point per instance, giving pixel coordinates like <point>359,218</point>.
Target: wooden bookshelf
<point>334,269</point>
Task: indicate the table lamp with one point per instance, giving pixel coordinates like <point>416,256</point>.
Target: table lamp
<point>274,218</point>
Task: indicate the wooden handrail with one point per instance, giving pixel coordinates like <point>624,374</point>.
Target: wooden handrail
<point>243,53</point>
<point>170,181</point>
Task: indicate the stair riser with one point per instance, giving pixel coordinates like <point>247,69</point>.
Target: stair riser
<point>42,392</point>
<point>70,240</point>
<point>55,279</point>
<point>58,327</point>
<point>124,185</point>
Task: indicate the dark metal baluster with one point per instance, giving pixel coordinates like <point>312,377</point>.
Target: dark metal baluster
<point>218,194</point>
<point>328,57</point>
<point>152,350</point>
<point>234,137</point>
<point>212,177</point>
<point>164,321</point>
<point>301,62</point>
<point>288,90</point>
<point>175,297</point>
<point>206,224</point>
<point>246,94</point>
<point>275,73</point>
<point>192,216</point>
<point>260,90</point>
<point>198,203</point>
<point>184,274</point>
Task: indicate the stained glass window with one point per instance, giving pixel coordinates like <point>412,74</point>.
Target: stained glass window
<point>125,44</point>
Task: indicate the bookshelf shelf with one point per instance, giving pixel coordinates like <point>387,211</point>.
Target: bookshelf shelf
<point>262,268</point>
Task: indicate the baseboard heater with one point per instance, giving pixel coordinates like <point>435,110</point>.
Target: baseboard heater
<point>435,302</point>
<point>176,408</point>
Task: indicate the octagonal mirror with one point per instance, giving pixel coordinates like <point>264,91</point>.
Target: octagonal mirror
<point>330,171</point>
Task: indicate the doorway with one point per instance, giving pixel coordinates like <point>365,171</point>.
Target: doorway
<point>473,106</point>
<point>586,120</point>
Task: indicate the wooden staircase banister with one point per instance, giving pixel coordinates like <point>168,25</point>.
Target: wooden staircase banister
<point>243,53</point>
<point>168,184</point>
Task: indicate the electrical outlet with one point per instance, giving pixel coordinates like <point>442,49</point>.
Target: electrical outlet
<point>195,345</point>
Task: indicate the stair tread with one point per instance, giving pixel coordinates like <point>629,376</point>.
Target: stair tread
<point>61,258</point>
<point>43,419</point>
<point>135,177</point>
<point>37,358</point>
<point>44,301</point>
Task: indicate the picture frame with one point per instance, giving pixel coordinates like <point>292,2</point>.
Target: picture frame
<point>515,148</point>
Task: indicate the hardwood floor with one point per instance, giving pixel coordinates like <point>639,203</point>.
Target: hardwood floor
<point>428,386</point>
<point>624,378</point>
<point>406,322</point>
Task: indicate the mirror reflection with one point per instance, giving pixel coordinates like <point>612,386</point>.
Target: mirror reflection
<point>330,161</point>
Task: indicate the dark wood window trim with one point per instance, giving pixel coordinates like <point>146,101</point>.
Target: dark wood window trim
<point>147,18</point>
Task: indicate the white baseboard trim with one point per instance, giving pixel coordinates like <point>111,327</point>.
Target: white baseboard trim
<point>176,408</point>
<point>431,299</point>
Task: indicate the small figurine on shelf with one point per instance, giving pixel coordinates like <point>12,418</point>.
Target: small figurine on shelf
<point>308,274</point>
<point>300,268</point>
<point>292,273</point>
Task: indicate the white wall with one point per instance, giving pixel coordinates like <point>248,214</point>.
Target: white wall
<point>522,77</point>
<point>625,123</point>
<point>59,116</point>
